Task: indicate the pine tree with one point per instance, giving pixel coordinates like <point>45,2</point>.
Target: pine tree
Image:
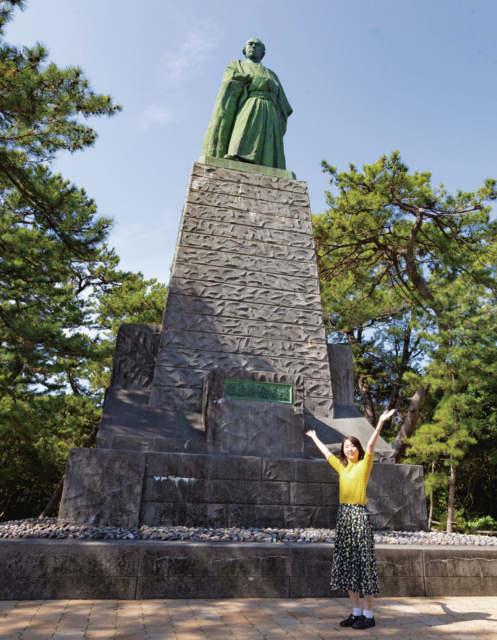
<point>53,258</point>
<point>403,262</point>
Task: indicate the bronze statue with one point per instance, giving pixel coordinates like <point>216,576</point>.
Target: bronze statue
<point>251,112</point>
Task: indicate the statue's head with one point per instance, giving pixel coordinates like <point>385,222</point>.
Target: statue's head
<point>254,50</point>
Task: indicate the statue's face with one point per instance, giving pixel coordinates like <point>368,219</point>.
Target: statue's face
<point>253,50</point>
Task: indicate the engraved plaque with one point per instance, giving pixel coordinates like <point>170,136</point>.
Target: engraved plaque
<point>260,391</point>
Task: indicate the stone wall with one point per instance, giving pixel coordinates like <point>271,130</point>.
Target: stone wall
<point>60,569</point>
<point>227,491</point>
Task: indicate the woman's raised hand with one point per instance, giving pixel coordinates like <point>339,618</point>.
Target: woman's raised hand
<point>384,417</point>
<point>311,434</point>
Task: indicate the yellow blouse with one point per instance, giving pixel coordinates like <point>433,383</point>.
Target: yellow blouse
<point>353,478</point>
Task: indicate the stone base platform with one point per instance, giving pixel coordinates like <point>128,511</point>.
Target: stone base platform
<point>129,570</point>
<point>108,487</point>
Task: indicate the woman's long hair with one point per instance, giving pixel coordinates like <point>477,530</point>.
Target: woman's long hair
<point>343,458</point>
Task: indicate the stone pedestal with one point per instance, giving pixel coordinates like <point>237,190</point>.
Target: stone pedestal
<point>254,413</point>
<point>203,422</point>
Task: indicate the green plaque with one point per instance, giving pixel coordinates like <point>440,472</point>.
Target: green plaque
<point>260,391</point>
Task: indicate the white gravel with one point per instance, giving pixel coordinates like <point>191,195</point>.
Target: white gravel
<point>54,529</point>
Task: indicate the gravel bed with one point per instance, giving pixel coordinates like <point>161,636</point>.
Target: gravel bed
<point>52,528</point>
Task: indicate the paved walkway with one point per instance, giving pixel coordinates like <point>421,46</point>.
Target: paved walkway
<point>302,619</point>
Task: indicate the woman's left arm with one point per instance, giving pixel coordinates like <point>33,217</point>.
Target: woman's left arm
<point>372,441</point>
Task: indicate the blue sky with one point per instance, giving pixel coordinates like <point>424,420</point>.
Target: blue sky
<point>364,77</point>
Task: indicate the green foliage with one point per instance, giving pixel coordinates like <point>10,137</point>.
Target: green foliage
<point>487,523</point>
<point>136,300</point>
<point>408,278</point>
<point>60,286</point>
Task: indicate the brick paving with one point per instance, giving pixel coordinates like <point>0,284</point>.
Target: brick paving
<point>283,619</point>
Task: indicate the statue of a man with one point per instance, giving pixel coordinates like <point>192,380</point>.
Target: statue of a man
<point>251,112</point>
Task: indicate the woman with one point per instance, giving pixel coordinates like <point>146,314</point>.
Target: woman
<point>251,113</point>
<point>354,564</point>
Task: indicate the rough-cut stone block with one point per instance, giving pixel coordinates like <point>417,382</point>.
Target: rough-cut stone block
<point>248,204</point>
<point>396,497</point>
<point>210,185</point>
<point>438,587</point>
<point>183,465</point>
<point>244,427</point>
<point>468,562</point>
<point>65,558</point>
<point>318,388</point>
<point>249,559</point>
<point>253,329</point>
<point>313,588</point>
<point>72,588</point>
<point>245,278</point>
<point>311,561</point>
<point>402,586</point>
<point>306,493</point>
<point>242,176</point>
<point>174,489</point>
<point>212,587</point>
<point>314,493</point>
<point>34,569</point>
<point>186,514</point>
<point>310,516</point>
<point>396,562</point>
<point>251,234</point>
<point>177,339</point>
<point>330,494</point>
<point>177,377</point>
<point>255,515</point>
<point>135,355</point>
<point>103,487</point>
<point>176,397</point>
<point>342,373</point>
<point>239,261</point>
<point>319,406</point>
<point>185,358</point>
<point>132,443</point>
<point>220,291</point>
<point>279,470</point>
<point>165,561</point>
<point>314,471</point>
<point>246,247</point>
<point>251,219</point>
<point>243,311</point>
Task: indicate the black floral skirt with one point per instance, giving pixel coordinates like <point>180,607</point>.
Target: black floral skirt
<point>354,563</point>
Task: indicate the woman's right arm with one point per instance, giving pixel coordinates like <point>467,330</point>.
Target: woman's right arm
<point>322,447</point>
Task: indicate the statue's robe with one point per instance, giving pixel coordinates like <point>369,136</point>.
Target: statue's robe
<point>249,118</point>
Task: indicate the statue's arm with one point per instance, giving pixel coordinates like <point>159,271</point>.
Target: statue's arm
<point>218,134</point>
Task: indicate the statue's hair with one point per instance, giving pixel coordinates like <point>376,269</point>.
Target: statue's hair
<point>263,47</point>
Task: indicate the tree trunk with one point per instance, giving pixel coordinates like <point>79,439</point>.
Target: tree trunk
<point>57,494</point>
<point>367,400</point>
<point>407,428</point>
<point>401,368</point>
<point>363,382</point>
<point>452,493</point>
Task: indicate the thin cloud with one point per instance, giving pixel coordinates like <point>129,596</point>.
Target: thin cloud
<point>186,58</point>
<point>155,114</point>
<point>196,46</point>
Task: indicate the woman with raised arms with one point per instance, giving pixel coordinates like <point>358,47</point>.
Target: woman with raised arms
<point>354,563</point>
